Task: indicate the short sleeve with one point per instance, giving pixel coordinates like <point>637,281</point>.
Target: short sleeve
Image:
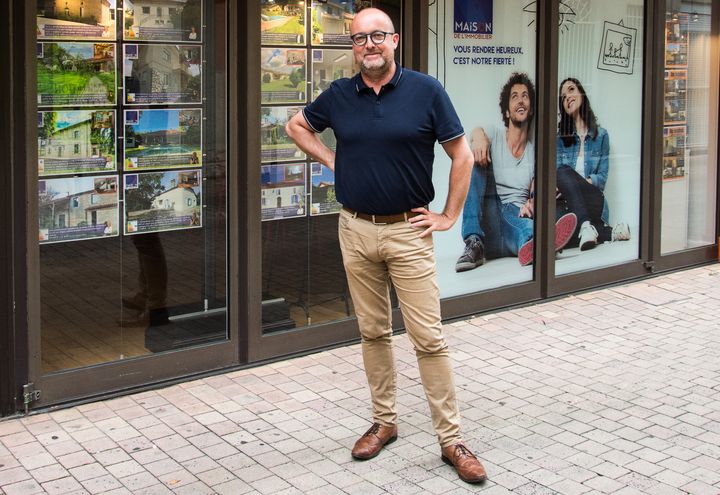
<point>447,123</point>
<point>318,113</point>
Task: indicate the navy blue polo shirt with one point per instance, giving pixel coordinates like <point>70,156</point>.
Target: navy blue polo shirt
<point>385,142</point>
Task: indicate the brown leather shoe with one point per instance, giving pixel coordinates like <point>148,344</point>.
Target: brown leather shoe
<point>371,443</point>
<point>465,463</point>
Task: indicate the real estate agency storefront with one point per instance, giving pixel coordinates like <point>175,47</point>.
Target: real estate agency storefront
<point>159,224</point>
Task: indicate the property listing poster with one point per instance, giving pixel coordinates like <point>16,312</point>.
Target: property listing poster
<point>322,190</point>
<point>77,208</point>
<point>331,21</point>
<point>162,201</point>
<point>158,74</point>
<point>329,65</point>
<point>179,20</point>
<point>75,74</point>
<point>76,142</point>
<point>76,19</point>
<point>475,46</point>
<point>156,139</point>
<point>282,23</point>
<point>275,143</point>
<point>282,75</point>
<point>282,191</point>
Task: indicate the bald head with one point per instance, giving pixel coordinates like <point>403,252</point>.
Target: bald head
<point>372,17</point>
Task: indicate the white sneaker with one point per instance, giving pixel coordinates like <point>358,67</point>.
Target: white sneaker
<point>621,232</point>
<point>588,236</point>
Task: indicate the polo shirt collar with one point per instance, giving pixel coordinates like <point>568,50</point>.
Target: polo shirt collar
<point>361,86</point>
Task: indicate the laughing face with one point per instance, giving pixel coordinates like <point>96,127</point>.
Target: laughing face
<point>571,97</point>
<point>519,111</point>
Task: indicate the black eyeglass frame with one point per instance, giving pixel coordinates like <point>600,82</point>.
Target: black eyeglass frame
<point>364,36</point>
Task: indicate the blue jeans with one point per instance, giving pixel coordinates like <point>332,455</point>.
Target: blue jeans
<point>503,232</point>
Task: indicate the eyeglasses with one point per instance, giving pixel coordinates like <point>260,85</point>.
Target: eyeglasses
<point>377,37</point>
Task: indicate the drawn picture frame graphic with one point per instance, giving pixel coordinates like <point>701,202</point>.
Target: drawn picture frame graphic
<point>617,50</point>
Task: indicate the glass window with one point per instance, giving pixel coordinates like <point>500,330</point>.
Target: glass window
<point>303,276</point>
<point>599,134</point>
<point>134,220</point>
<point>689,164</point>
<point>483,53</point>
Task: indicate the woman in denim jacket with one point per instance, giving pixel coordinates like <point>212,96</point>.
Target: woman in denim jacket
<point>583,152</point>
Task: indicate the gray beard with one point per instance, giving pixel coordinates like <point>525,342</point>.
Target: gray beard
<point>375,73</point>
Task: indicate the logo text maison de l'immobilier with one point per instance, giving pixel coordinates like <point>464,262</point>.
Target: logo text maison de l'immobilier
<point>473,18</point>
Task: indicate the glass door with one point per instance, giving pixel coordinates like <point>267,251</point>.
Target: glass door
<point>689,161</point>
<point>131,170</point>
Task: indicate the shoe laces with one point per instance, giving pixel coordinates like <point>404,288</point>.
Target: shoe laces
<point>461,450</point>
<point>374,429</point>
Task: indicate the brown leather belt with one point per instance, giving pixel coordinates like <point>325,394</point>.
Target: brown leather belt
<point>382,219</point>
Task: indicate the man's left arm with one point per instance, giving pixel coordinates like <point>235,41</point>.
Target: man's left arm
<point>460,168</point>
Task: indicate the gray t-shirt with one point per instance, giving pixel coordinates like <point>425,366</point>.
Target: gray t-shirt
<point>512,175</point>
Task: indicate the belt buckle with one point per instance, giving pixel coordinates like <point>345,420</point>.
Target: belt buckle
<point>377,223</point>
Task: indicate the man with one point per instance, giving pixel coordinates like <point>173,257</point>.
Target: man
<point>499,209</point>
<point>387,120</point>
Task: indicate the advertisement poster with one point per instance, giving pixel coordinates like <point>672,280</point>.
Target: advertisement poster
<point>163,139</point>
<point>282,191</point>
<point>675,97</point>
<point>674,151</point>
<point>160,74</point>
<point>275,143</point>
<point>322,191</point>
<point>75,74</point>
<point>331,22</point>
<point>282,23</point>
<point>329,65</point>
<point>150,20</point>
<point>76,19</point>
<point>76,142</point>
<point>282,75</point>
<point>481,50</point>
<point>77,208</point>
<point>160,201</point>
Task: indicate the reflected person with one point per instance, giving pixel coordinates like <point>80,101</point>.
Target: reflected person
<point>150,300</point>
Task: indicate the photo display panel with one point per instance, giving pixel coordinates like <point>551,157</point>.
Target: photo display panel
<point>76,142</point>
<point>160,201</point>
<point>76,74</point>
<point>282,23</point>
<point>276,145</point>
<point>157,74</point>
<point>179,20</point>
<point>282,75</point>
<point>76,20</point>
<point>77,208</point>
<point>168,138</point>
<point>322,191</point>
<point>282,191</point>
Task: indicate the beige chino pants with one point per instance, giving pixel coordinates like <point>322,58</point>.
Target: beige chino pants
<point>375,255</point>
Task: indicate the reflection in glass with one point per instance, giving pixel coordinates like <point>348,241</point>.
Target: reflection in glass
<point>131,261</point>
<point>689,165</point>
<point>599,134</point>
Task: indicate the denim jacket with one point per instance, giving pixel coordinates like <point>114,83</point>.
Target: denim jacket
<point>597,154</point>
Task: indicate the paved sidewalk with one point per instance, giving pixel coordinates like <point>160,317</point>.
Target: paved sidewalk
<point>613,391</point>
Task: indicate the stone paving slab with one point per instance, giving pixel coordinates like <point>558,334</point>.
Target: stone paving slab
<point>614,391</point>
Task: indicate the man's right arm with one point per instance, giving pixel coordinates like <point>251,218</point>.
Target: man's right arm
<point>307,140</point>
<point>480,146</point>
